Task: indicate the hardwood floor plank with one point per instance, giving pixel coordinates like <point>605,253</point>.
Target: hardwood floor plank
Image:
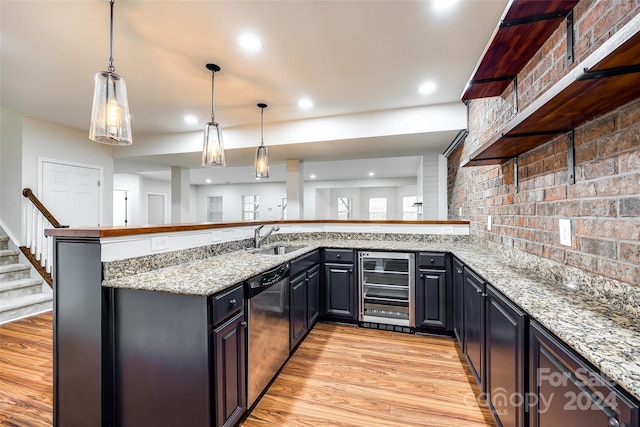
<point>345,376</point>
<point>340,376</point>
<point>26,372</point>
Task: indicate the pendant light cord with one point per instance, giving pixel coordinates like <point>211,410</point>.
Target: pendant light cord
<point>213,116</point>
<point>111,68</point>
<point>262,126</point>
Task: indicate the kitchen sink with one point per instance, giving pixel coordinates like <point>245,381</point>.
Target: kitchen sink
<point>277,250</point>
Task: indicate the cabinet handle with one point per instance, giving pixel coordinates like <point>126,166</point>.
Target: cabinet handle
<point>338,256</point>
<point>459,271</point>
<point>479,291</point>
<point>431,260</point>
<point>484,295</point>
<point>244,324</point>
<point>613,422</point>
<point>233,302</point>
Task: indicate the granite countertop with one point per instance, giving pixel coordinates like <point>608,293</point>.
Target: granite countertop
<point>601,333</point>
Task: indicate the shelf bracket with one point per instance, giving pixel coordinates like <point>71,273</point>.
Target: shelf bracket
<point>570,38</point>
<point>515,174</point>
<point>515,94</point>
<point>609,72</point>
<point>534,18</point>
<point>541,133</point>
<point>571,169</point>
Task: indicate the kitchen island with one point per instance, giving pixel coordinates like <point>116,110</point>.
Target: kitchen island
<point>569,304</point>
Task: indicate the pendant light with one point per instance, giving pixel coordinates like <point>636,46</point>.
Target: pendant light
<point>262,152</point>
<point>110,122</point>
<point>213,149</point>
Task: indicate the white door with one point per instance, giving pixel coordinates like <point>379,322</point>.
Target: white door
<point>71,193</point>
<point>155,208</point>
<point>120,207</point>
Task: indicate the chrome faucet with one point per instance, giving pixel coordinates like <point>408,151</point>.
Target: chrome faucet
<point>257,239</point>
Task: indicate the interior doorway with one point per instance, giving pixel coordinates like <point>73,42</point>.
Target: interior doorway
<point>120,207</point>
<point>155,208</point>
<point>71,193</point>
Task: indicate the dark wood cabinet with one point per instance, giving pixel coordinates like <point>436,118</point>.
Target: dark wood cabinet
<point>568,391</point>
<point>431,299</point>
<point>230,373</point>
<point>173,364</point>
<point>313,295</point>
<point>298,317</point>
<point>474,326</point>
<point>304,296</point>
<point>506,343</point>
<point>340,292</point>
<point>458,301</point>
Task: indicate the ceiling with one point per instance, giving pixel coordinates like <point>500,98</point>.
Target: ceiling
<point>354,58</point>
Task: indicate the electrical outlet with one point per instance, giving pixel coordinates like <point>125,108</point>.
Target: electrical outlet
<point>564,226</point>
<point>489,223</point>
<point>216,236</point>
<point>159,243</point>
<point>459,211</point>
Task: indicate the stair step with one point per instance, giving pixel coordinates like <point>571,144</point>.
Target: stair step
<point>27,305</point>
<point>8,256</point>
<point>4,242</point>
<point>14,272</point>
<point>18,288</point>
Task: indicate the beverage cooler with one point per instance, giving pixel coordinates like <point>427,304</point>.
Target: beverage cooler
<point>387,287</point>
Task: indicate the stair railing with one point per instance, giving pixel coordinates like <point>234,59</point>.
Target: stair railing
<point>38,248</point>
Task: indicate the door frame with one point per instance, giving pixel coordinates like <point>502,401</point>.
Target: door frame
<point>146,205</point>
<point>100,169</point>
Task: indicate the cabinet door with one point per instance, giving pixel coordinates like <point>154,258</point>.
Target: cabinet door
<point>570,393</point>
<point>340,295</point>
<point>313,295</point>
<point>297,310</point>
<point>230,371</point>
<point>474,324</point>
<point>458,301</point>
<point>505,356</point>
<point>431,299</point>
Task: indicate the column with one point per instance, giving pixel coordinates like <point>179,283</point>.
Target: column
<point>295,189</point>
<point>180,197</point>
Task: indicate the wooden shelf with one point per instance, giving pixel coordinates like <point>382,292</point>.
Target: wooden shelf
<point>604,81</point>
<point>524,27</point>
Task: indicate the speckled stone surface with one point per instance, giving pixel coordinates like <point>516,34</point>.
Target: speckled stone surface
<point>597,317</point>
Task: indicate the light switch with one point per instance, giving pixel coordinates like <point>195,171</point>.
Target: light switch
<point>564,226</point>
<point>459,211</point>
<point>159,243</point>
<point>489,223</point>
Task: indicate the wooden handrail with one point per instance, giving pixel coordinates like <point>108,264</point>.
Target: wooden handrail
<point>48,215</point>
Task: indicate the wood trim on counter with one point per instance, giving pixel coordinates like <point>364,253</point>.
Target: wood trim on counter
<point>100,232</point>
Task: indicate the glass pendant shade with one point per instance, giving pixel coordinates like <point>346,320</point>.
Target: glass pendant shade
<point>213,149</point>
<point>110,123</point>
<point>262,162</point>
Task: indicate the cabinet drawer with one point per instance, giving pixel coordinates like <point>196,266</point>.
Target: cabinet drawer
<point>227,303</point>
<point>338,255</point>
<point>426,259</point>
<point>304,262</point>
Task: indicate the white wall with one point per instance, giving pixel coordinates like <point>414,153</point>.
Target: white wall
<point>11,172</point>
<point>232,200</point>
<point>42,140</point>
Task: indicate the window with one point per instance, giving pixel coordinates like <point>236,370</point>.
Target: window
<point>214,208</point>
<point>283,206</point>
<point>250,208</point>
<point>378,208</point>
<point>409,212</point>
<point>344,207</point>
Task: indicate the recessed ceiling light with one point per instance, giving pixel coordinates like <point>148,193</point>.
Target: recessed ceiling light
<point>427,88</point>
<point>443,5</point>
<point>371,174</point>
<point>208,181</point>
<point>312,176</point>
<point>190,119</point>
<point>249,42</point>
<point>305,103</point>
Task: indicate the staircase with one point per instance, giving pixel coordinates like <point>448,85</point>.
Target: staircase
<point>20,295</point>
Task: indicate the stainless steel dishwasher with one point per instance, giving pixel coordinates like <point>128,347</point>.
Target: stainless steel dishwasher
<point>268,328</point>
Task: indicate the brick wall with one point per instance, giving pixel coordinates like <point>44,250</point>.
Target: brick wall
<point>603,204</point>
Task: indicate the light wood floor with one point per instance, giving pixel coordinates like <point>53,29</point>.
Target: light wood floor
<point>345,376</point>
<point>26,372</point>
<point>339,376</point>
